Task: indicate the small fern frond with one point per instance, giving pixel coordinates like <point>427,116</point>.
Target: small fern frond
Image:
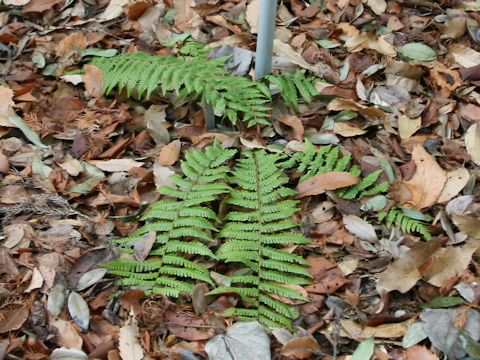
<point>258,223</point>
<point>408,225</point>
<point>294,86</point>
<point>178,226</point>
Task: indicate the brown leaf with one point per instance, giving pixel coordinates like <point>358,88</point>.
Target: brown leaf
<point>328,277</point>
<point>300,347</point>
<point>169,154</point>
<point>144,244</point>
<point>93,80</point>
<point>76,39</point>
<point>339,104</point>
<point>404,272</point>
<point>130,301</point>
<point>13,320</point>
<point>295,123</point>
<point>67,336</point>
<point>427,182</point>
<point>252,15</point>
<point>328,181</point>
<point>419,352</point>
<point>40,6</point>
<point>187,326</point>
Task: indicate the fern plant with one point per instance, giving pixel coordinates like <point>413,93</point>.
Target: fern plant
<point>186,75</point>
<point>179,225</point>
<point>408,224</point>
<point>293,86</point>
<point>254,233</point>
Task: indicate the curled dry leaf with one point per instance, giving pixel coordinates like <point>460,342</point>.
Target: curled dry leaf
<point>339,104</point>
<point>295,123</point>
<point>300,347</point>
<point>347,130</point>
<point>426,184</point>
<point>328,181</point>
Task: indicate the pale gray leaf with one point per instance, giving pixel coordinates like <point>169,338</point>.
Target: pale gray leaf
<point>56,300</point>
<point>143,245</point>
<point>244,340</point>
<point>68,354</point>
<point>79,310</point>
<point>90,278</point>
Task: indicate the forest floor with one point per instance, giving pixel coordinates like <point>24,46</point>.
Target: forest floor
<point>76,164</point>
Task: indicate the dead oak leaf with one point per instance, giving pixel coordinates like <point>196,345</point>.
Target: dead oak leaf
<point>93,80</point>
<point>328,181</point>
<point>427,182</point>
<point>339,104</point>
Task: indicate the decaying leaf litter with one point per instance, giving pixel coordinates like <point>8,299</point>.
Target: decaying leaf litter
<point>79,168</point>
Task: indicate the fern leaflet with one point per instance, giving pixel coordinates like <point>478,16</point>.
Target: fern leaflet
<point>293,86</point>
<point>408,224</point>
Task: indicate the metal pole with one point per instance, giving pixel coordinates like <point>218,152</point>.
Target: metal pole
<point>266,29</point>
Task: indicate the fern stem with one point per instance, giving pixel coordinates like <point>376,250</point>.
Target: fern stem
<point>259,221</point>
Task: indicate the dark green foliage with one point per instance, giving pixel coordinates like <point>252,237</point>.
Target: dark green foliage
<point>257,226</point>
<point>408,225</point>
<point>198,76</point>
<point>178,223</point>
<point>295,86</point>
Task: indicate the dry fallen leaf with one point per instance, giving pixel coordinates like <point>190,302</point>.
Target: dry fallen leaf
<point>169,154</point>
<point>70,43</point>
<point>300,347</point>
<point>129,342</point>
<point>93,80</point>
<point>377,6</point>
<point>427,181</point>
<point>417,352</point>
<point>144,244</point>
<point>67,336</point>
<point>360,228</point>
<point>472,142</point>
<point>450,262</point>
<point>404,272</point>
<point>339,104</point>
<point>407,127</point>
<point>356,331</point>
<point>252,15</point>
<point>328,181</point>
<point>456,181</point>
<point>295,123</point>
<point>464,55</point>
<point>347,130</point>
<point>113,165</point>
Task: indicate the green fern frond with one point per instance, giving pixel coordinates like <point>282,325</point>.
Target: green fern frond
<point>408,225</point>
<point>186,75</point>
<point>178,226</point>
<point>294,86</point>
<point>366,182</point>
<point>257,224</point>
